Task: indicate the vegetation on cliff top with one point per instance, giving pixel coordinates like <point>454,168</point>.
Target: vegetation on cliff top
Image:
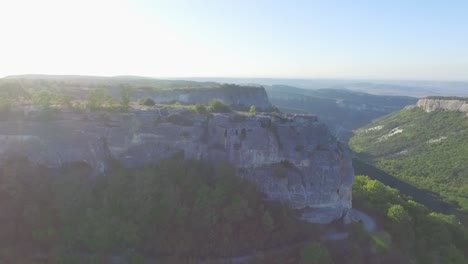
<point>77,87</point>
<point>217,106</point>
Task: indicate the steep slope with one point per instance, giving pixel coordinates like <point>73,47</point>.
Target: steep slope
<point>426,149</point>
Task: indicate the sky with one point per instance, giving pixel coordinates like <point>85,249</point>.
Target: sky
<point>358,39</point>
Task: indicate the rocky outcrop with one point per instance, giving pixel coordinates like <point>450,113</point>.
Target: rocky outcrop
<point>456,104</point>
<point>291,158</point>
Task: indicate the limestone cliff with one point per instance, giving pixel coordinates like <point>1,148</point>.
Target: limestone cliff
<point>430,104</point>
<point>291,158</point>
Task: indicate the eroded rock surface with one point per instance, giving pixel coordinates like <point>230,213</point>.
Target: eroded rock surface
<point>292,158</point>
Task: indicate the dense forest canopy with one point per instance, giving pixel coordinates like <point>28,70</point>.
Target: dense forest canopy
<point>410,231</point>
<point>182,211</point>
<point>174,208</point>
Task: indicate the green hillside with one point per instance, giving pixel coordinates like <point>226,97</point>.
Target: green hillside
<point>427,150</point>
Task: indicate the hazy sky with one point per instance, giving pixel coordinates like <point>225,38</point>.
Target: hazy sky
<point>394,39</point>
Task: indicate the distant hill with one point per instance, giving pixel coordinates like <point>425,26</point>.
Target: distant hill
<point>377,87</point>
<point>428,150</point>
<point>101,81</point>
<point>343,110</point>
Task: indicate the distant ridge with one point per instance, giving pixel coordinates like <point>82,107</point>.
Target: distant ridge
<point>61,77</point>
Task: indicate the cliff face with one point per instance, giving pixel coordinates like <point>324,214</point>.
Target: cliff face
<point>430,104</point>
<point>290,158</point>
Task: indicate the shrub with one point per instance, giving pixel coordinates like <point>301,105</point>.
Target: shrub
<point>147,102</point>
<point>201,109</point>
<point>398,214</point>
<point>253,110</point>
<point>217,106</point>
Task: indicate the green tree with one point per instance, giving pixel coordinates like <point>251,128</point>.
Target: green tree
<point>217,106</point>
<point>147,102</point>
<point>415,231</point>
<point>398,214</point>
<point>253,110</point>
<point>201,109</point>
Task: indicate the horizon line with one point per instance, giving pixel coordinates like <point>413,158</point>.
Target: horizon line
<point>242,77</point>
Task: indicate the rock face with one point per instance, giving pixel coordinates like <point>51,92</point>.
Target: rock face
<point>291,158</point>
<point>431,104</point>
